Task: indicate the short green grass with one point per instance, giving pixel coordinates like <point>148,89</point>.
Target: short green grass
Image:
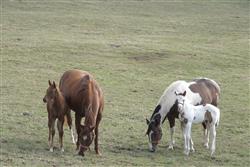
<point>135,49</point>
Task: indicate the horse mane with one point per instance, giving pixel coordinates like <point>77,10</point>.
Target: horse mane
<point>90,115</point>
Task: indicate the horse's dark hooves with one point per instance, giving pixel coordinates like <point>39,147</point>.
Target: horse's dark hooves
<point>212,157</point>
<point>152,150</point>
<point>81,153</point>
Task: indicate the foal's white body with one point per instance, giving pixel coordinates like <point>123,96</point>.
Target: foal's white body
<point>197,114</point>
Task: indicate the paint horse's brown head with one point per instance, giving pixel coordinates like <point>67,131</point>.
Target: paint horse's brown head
<point>51,93</point>
<point>154,132</point>
<point>86,137</point>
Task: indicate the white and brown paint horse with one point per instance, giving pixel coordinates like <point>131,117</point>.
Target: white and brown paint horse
<point>85,97</point>
<point>199,91</point>
<point>57,109</point>
<point>189,114</point>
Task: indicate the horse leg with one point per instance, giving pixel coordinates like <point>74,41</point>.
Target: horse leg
<point>78,129</point>
<point>98,119</point>
<point>188,137</point>
<point>60,130</point>
<point>192,145</point>
<point>172,129</point>
<point>69,119</point>
<point>52,134</point>
<point>184,132</point>
<point>213,135</point>
<point>205,134</point>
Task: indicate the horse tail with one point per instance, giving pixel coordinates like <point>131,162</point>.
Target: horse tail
<point>218,118</point>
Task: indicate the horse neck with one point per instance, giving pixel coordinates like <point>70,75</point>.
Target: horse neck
<point>59,100</point>
<point>194,111</point>
<point>188,107</point>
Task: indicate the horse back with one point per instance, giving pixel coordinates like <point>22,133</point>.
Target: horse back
<point>73,85</point>
<point>80,90</point>
<point>207,89</point>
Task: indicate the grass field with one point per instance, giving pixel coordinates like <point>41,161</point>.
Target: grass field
<point>135,49</point>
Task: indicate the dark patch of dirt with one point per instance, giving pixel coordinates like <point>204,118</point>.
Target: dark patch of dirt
<point>148,57</point>
<point>3,141</point>
<point>134,91</point>
<point>26,114</point>
<point>115,45</point>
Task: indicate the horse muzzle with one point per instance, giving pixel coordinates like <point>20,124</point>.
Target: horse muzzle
<point>152,147</point>
<point>152,150</point>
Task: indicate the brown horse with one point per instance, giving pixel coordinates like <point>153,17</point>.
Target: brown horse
<point>85,97</point>
<point>57,109</point>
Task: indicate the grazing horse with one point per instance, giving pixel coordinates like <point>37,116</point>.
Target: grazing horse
<point>85,97</point>
<point>57,109</point>
<point>199,91</point>
<point>188,114</point>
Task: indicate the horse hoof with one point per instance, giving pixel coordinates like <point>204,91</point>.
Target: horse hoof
<point>171,147</point>
<point>62,150</point>
<point>51,150</point>
<point>206,146</point>
<point>99,154</point>
<point>152,151</point>
<point>186,153</point>
<point>193,150</point>
<point>81,153</point>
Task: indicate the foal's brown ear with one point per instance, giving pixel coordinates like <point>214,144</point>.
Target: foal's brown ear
<point>49,82</point>
<point>147,121</point>
<point>54,84</point>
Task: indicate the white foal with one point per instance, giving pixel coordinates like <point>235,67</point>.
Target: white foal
<point>188,114</point>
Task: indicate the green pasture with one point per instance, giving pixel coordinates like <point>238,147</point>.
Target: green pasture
<point>135,49</point>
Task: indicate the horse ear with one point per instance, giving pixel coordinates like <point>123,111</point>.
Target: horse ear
<point>175,93</point>
<point>147,121</point>
<point>184,94</point>
<point>49,82</point>
<point>54,84</point>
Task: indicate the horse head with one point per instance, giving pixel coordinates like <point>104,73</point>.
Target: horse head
<point>51,92</point>
<point>86,137</point>
<point>154,131</point>
<point>180,100</point>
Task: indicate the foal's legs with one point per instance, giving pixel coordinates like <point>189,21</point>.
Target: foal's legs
<point>213,135</point>
<point>192,145</point>
<point>207,132</point>
<point>187,137</point>
<point>60,130</point>
<point>98,119</point>
<point>51,125</point>
<point>172,129</point>
<point>69,119</point>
